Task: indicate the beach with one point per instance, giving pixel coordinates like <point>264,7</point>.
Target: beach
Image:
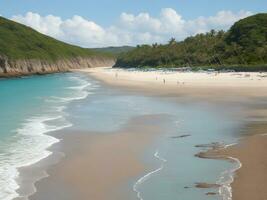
<point>240,88</point>
<point>223,85</point>
<point>232,82</point>
<point>162,101</point>
<point>124,134</point>
<point>251,178</point>
<point>97,165</point>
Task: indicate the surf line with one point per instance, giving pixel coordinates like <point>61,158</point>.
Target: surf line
<point>225,190</point>
<point>148,175</point>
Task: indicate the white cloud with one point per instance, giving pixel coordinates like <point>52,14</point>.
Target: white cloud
<point>172,22</point>
<point>142,22</point>
<point>80,31</point>
<point>130,29</point>
<point>48,25</point>
<point>222,20</point>
<point>75,30</point>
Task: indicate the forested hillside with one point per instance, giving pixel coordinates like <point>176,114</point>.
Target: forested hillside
<point>21,42</point>
<point>24,51</point>
<point>243,47</point>
<point>114,50</point>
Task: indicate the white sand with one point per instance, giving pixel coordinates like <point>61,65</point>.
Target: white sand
<point>195,79</point>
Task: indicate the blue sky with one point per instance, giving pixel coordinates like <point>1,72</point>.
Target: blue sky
<point>107,15</point>
<point>106,11</point>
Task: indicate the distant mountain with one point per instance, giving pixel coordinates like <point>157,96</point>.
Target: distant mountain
<point>114,50</point>
<point>26,51</point>
<point>243,48</point>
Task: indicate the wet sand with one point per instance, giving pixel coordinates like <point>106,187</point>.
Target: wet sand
<point>84,174</point>
<point>251,178</point>
<point>98,165</point>
<point>249,89</point>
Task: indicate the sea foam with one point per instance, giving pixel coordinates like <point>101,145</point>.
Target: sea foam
<point>227,177</point>
<point>148,175</point>
<point>30,142</point>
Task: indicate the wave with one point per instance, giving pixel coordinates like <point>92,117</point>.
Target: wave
<point>80,87</point>
<point>30,141</point>
<point>28,146</point>
<point>80,91</point>
<point>227,177</point>
<point>148,175</point>
<point>80,96</point>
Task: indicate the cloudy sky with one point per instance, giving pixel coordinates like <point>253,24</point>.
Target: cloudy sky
<point>98,23</point>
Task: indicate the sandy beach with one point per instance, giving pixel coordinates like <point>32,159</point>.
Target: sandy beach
<point>250,179</point>
<point>192,83</point>
<point>88,164</point>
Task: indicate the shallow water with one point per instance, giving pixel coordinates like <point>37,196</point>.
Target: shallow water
<point>108,109</point>
<point>33,106</point>
<point>28,104</point>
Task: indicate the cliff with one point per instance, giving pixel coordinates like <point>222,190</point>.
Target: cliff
<point>21,67</point>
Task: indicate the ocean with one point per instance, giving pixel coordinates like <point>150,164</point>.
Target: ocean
<point>35,105</point>
<point>27,105</point>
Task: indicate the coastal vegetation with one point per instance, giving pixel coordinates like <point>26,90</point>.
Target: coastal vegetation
<point>242,48</point>
<point>21,42</point>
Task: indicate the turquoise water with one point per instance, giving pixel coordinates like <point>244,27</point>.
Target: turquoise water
<point>33,106</point>
<point>27,104</point>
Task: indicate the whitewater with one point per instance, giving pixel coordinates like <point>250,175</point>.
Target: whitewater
<point>24,137</point>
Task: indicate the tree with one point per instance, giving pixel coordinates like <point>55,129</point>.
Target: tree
<point>241,45</point>
<point>172,41</point>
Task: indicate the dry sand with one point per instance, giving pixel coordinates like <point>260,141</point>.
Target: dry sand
<point>185,83</point>
<point>251,180</point>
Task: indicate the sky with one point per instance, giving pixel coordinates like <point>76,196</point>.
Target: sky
<point>99,23</point>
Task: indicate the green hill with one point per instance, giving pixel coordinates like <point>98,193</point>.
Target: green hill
<point>114,50</point>
<point>251,31</point>
<point>21,42</point>
<point>243,48</point>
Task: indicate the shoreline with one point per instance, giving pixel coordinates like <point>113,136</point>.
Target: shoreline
<point>176,79</point>
<point>250,151</point>
<point>34,171</point>
<point>24,177</point>
<point>208,89</point>
<point>44,183</point>
<point>224,183</point>
<point>146,176</point>
<point>120,145</point>
<point>202,86</point>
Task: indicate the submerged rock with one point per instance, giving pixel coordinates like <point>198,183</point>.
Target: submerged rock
<point>206,185</point>
<point>180,136</point>
<point>211,193</point>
